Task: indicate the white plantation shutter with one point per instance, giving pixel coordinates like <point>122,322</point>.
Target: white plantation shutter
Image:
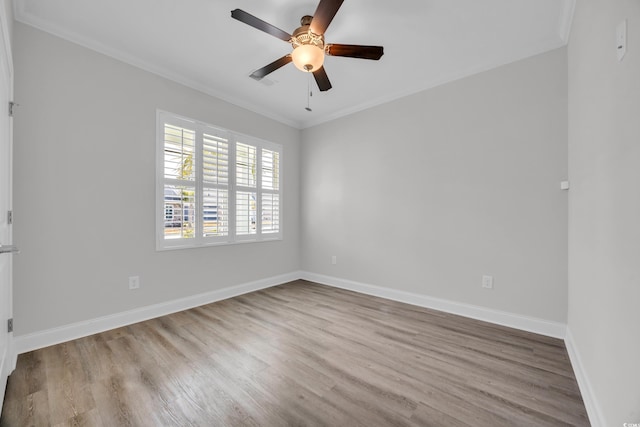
<point>270,191</point>
<point>270,213</point>
<point>246,180</point>
<point>245,213</point>
<point>246,160</point>
<point>214,186</point>
<point>179,147</point>
<point>215,183</point>
<point>179,191</point>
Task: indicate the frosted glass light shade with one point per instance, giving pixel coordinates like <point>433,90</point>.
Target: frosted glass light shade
<point>307,57</point>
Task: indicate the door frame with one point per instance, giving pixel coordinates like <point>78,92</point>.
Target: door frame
<point>6,61</point>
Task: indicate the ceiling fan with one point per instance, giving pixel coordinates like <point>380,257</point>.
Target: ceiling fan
<point>308,43</point>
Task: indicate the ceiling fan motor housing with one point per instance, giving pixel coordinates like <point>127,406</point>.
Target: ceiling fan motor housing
<point>308,48</point>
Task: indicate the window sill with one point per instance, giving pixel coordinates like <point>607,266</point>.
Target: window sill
<point>216,244</point>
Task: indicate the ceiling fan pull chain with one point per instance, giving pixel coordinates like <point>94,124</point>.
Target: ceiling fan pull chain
<point>309,94</point>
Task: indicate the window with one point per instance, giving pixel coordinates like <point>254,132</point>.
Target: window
<point>214,186</point>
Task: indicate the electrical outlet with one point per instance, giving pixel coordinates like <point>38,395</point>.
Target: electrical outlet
<point>487,282</point>
<point>134,282</point>
<point>334,260</point>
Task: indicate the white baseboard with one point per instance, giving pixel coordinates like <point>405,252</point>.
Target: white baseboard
<point>589,399</point>
<point>512,320</point>
<point>36,340</point>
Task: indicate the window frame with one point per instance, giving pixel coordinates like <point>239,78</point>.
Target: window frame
<point>233,139</point>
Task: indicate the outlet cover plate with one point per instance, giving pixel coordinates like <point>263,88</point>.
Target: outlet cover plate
<point>487,282</point>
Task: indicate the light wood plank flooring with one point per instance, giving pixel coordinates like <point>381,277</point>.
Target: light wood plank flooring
<point>299,354</point>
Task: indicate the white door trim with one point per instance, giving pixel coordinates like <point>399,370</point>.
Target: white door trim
<point>9,359</point>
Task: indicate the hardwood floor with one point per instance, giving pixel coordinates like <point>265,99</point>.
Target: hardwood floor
<point>299,354</point>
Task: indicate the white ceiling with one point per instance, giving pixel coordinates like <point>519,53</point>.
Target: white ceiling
<point>197,43</point>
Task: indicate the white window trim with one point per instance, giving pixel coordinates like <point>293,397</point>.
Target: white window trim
<point>198,240</point>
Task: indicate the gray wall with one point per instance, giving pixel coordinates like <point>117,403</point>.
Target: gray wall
<point>604,205</point>
<point>428,193</point>
<point>84,188</point>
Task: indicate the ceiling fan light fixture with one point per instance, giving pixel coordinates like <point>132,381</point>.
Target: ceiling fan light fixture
<point>308,57</point>
<point>308,45</point>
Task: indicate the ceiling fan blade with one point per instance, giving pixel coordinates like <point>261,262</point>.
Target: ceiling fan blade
<point>355,51</point>
<point>322,79</point>
<point>268,69</point>
<point>324,14</point>
<point>259,24</point>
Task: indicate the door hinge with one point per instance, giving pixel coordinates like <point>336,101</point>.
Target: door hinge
<point>9,217</point>
<point>12,105</point>
<point>10,325</point>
